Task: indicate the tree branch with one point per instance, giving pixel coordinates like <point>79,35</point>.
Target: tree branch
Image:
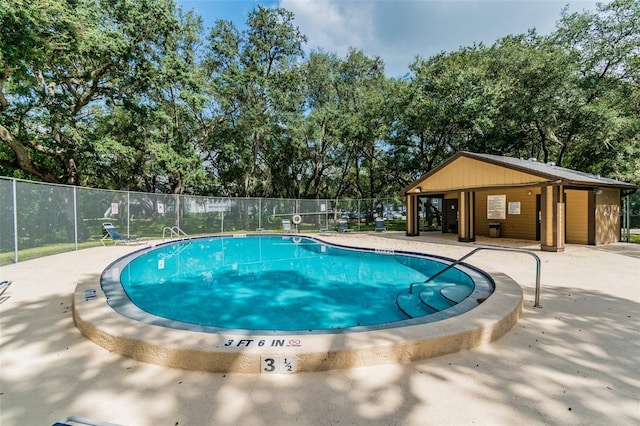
<point>23,160</point>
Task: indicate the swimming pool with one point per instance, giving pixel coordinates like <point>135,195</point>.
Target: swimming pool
<point>104,313</point>
<point>286,283</point>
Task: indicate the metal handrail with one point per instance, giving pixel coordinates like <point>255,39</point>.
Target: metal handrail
<point>175,230</point>
<point>466,256</point>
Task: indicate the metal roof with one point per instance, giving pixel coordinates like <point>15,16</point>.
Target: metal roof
<point>548,170</point>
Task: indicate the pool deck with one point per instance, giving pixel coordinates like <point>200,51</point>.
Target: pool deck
<point>573,361</point>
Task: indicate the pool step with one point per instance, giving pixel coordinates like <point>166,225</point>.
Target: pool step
<point>411,304</point>
<point>429,298</point>
<point>433,297</point>
<point>456,293</point>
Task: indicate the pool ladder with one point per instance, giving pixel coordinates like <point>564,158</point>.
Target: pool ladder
<point>466,256</point>
<point>175,230</point>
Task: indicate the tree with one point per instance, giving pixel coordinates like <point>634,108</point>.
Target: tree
<point>87,55</point>
<point>256,80</point>
<point>450,103</point>
<point>539,105</point>
<point>360,87</point>
<point>319,127</point>
<point>606,44</point>
<point>123,94</point>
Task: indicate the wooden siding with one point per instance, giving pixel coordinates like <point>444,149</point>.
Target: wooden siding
<point>470,173</point>
<point>608,216</point>
<point>519,226</point>
<point>570,210</point>
<point>577,219</point>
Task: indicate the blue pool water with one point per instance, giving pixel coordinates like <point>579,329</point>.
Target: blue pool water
<point>285,283</point>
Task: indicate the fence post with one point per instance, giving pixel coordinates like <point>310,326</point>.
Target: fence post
<point>15,220</point>
<point>75,218</point>
<point>177,221</point>
<point>128,215</point>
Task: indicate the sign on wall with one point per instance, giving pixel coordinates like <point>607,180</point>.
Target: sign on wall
<point>514,207</point>
<point>496,206</point>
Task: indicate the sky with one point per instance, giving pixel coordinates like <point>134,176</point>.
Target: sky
<point>399,30</point>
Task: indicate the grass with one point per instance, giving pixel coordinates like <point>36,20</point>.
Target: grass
<point>6,258</point>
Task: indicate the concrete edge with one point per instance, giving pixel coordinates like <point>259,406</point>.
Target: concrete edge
<point>193,350</point>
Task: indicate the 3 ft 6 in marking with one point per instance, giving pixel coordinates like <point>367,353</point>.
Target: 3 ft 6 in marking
<point>278,365</point>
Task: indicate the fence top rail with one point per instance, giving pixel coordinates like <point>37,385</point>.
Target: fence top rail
<point>331,201</point>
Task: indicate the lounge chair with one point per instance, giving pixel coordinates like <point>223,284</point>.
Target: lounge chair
<point>110,233</point>
<point>4,285</point>
<point>343,226</point>
<point>75,420</point>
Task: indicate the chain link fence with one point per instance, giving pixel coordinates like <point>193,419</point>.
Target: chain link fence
<point>38,219</point>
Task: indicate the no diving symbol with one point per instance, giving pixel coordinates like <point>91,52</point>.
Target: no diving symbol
<point>294,342</point>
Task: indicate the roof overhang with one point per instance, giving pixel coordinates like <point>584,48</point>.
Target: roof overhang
<point>467,171</point>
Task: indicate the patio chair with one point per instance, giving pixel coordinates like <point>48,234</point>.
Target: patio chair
<point>110,233</point>
<point>4,285</point>
<point>75,420</point>
<point>343,226</point>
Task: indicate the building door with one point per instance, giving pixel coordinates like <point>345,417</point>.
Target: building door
<point>450,216</point>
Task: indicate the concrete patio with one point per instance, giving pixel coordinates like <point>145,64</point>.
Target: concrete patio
<point>573,361</point>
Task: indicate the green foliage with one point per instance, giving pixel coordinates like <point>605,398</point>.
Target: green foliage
<point>136,95</point>
<point>89,56</point>
<point>254,78</point>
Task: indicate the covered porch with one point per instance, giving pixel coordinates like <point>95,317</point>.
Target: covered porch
<point>485,195</point>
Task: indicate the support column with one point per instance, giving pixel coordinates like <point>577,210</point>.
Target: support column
<point>591,218</point>
<point>413,218</point>
<point>466,212</point>
<point>552,226</point>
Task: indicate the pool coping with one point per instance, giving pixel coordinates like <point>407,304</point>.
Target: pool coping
<point>290,353</point>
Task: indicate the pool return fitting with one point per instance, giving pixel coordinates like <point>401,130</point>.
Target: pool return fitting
<point>536,303</point>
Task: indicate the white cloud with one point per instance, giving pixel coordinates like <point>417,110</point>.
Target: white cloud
<point>400,30</point>
<point>334,25</point>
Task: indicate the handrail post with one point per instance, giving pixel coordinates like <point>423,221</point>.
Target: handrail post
<point>536,303</point>
<point>175,230</point>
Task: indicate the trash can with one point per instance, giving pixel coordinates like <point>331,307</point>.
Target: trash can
<point>494,229</point>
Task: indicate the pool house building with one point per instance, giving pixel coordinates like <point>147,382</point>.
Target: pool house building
<point>488,195</point>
